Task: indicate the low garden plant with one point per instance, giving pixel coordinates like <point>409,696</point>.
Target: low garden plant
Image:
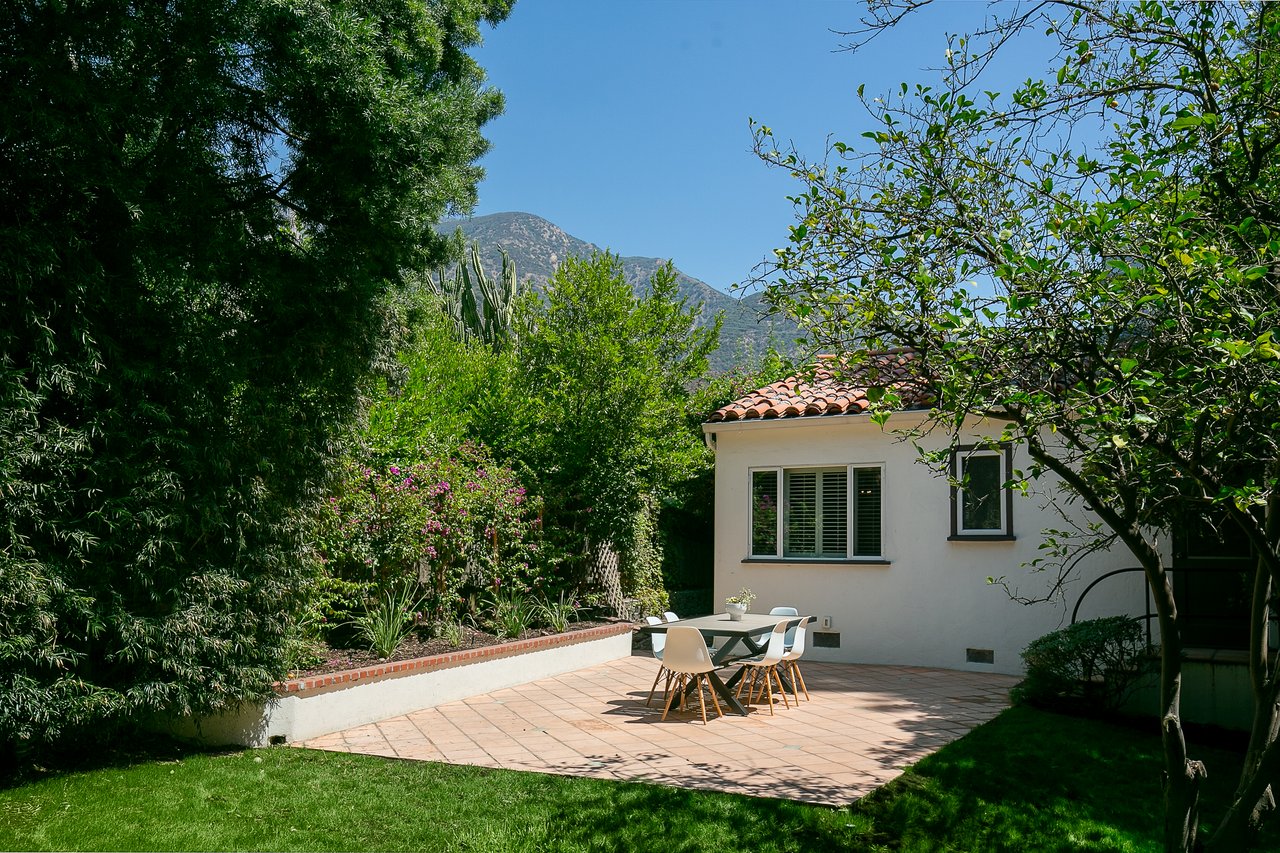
<point>386,624</point>
<point>1091,665</point>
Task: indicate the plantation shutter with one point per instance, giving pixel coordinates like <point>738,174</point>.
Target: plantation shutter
<point>834,520</point>
<point>866,496</point>
<point>800,528</point>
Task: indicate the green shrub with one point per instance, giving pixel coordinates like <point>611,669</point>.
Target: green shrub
<point>1093,665</point>
<point>641,562</point>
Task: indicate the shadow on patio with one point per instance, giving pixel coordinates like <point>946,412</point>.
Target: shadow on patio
<point>862,727</point>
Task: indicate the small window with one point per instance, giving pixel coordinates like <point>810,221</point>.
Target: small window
<point>981,502</point>
<point>764,513</point>
<point>816,513</point>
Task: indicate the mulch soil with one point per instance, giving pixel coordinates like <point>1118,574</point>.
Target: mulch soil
<point>337,660</point>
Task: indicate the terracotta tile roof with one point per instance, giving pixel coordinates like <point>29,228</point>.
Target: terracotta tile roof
<point>834,387</point>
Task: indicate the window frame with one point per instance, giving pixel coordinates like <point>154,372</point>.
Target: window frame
<point>1002,452</point>
<point>778,555</point>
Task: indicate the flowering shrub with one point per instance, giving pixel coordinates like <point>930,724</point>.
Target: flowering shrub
<point>459,526</point>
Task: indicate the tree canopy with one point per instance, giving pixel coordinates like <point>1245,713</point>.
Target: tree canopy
<point>1092,259</point>
<point>588,402</point>
<point>205,205</point>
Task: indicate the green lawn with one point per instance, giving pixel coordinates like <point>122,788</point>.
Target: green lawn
<point>1027,781</point>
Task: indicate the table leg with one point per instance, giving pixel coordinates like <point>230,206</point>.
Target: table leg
<point>725,693</point>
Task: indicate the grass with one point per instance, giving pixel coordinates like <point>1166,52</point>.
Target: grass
<point>1029,780</point>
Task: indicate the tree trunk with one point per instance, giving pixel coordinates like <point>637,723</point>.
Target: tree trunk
<point>1181,791</point>
<point>1181,774</point>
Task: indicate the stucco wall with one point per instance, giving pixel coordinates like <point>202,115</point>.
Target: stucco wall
<point>932,601</point>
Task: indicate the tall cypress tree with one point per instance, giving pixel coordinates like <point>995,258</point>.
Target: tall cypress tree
<point>205,204</point>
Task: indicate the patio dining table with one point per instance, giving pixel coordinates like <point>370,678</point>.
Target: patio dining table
<point>747,637</point>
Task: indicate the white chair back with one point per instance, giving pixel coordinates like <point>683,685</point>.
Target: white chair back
<point>777,644</point>
<point>670,617</point>
<point>658,639</point>
<point>797,648</point>
<point>786,611</point>
<point>687,651</point>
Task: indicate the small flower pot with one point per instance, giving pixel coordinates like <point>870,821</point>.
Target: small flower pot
<point>736,611</point>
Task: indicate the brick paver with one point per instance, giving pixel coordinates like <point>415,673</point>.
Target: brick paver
<point>862,727</point>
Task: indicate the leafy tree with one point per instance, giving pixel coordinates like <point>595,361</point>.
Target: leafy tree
<point>687,517</point>
<point>598,418</point>
<point>204,207</point>
<point>590,402</point>
<point>1110,295</point>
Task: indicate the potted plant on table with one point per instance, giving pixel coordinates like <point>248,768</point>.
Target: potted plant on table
<point>737,604</point>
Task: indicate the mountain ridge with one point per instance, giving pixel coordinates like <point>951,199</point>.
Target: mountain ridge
<point>538,246</point>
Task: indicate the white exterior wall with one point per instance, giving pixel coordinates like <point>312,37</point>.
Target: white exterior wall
<point>931,602</point>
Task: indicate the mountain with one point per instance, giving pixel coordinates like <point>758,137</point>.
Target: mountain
<point>538,247</point>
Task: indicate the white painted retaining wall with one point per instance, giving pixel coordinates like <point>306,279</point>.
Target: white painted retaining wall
<point>302,712</point>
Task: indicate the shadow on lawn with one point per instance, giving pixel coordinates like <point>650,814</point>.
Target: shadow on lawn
<point>125,746</point>
<point>633,816</point>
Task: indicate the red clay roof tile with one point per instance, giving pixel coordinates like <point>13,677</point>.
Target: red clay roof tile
<point>833,388</point>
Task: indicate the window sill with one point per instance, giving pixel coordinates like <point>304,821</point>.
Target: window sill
<point>821,561</point>
<point>982,537</point>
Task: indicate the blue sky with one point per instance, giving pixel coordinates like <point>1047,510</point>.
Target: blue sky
<point>627,122</point>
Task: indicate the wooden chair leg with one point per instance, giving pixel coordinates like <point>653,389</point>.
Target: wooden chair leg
<point>654,688</point>
<point>795,665</point>
<point>702,703</point>
<point>678,693</point>
<point>768,689</point>
<point>714,699</point>
<point>744,681</point>
<point>786,702</point>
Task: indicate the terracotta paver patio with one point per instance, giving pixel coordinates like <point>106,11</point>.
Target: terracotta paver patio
<point>864,725</point>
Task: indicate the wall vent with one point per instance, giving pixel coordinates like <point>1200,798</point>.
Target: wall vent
<point>980,655</point>
<point>826,640</point>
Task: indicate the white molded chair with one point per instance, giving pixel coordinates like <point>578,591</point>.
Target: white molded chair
<point>787,611</point>
<point>791,663</point>
<point>670,617</point>
<point>767,665</point>
<point>687,656</point>
<point>659,641</point>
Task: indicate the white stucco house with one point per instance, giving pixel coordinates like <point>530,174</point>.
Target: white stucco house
<point>819,507</point>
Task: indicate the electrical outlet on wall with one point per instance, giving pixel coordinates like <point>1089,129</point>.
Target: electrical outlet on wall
<point>825,622</point>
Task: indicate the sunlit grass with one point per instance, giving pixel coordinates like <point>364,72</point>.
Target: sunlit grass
<point>1027,781</point>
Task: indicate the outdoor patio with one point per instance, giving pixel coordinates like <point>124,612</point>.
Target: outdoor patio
<point>864,725</point>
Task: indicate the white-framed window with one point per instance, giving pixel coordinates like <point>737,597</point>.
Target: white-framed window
<point>981,503</point>
<point>817,512</point>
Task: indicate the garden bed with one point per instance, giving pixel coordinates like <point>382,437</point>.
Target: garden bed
<point>339,660</point>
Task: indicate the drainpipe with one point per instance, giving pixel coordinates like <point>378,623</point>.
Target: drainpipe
<point>710,439</point>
